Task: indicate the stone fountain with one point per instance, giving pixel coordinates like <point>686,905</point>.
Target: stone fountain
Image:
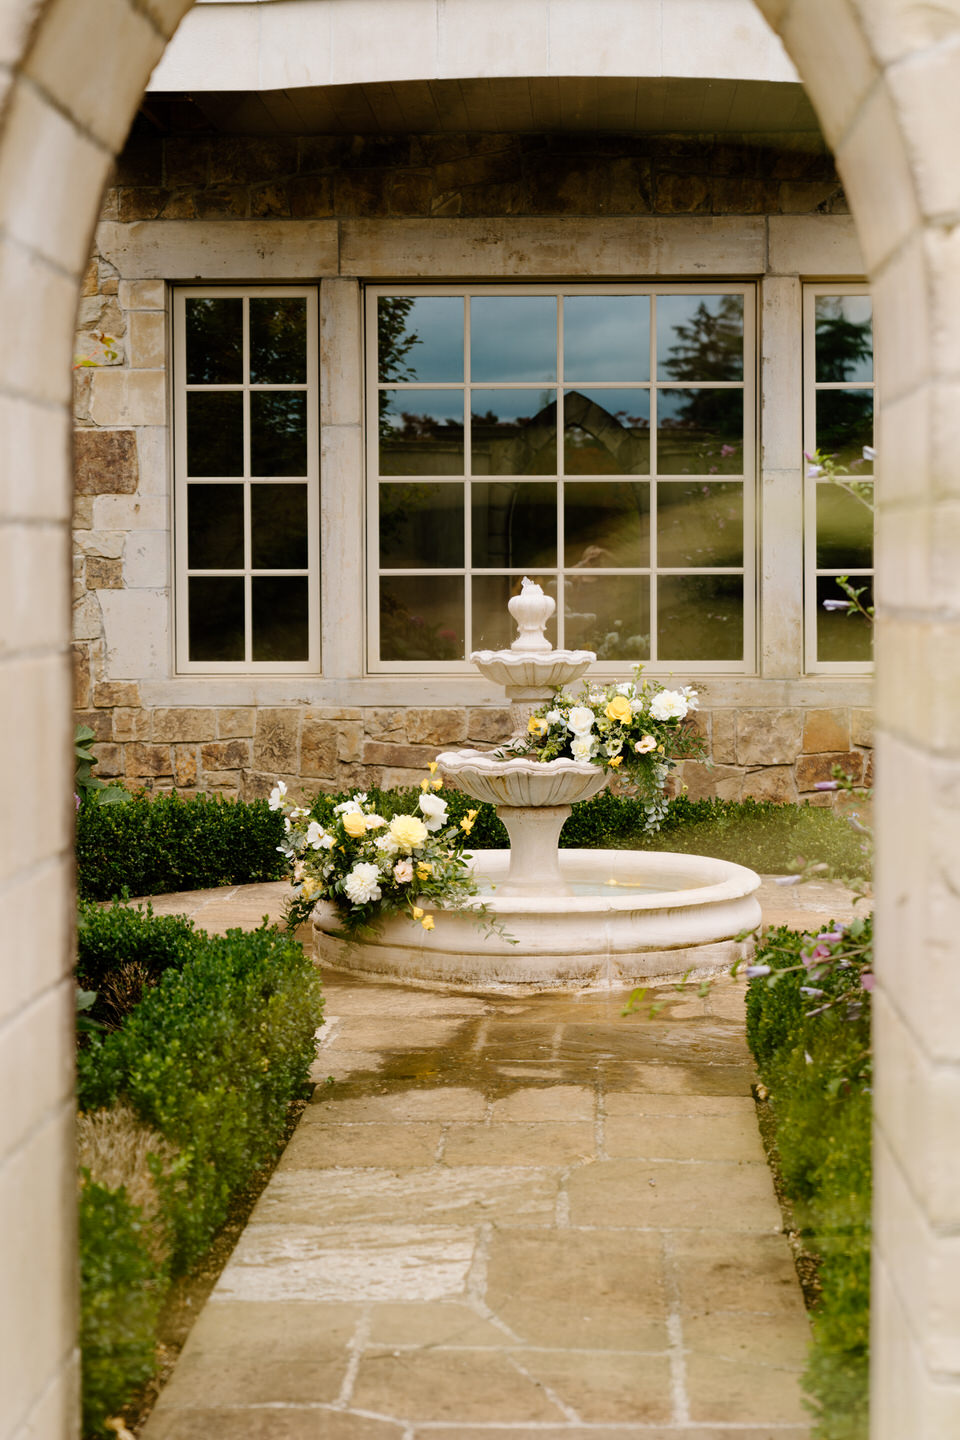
<point>579,918</point>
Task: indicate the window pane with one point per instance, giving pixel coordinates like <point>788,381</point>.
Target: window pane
<point>421,432</point>
<point>606,337</point>
<point>700,432</point>
<point>700,617</point>
<point>214,335</point>
<point>700,337</point>
<point>215,433</point>
<point>278,433</point>
<point>216,618</point>
<point>421,618</point>
<point>280,618</point>
<point>215,527</point>
<point>421,527</point>
<point>841,636</point>
<point>844,528</point>
<point>420,337</point>
<point>609,614</point>
<point>514,432</point>
<point>606,525</point>
<point>514,525</point>
<point>699,524</point>
<point>844,426</point>
<point>494,628</point>
<point>278,340</point>
<point>513,337</point>
<point>606,432</point>
<point>278,522</point>
<point>844,338</point>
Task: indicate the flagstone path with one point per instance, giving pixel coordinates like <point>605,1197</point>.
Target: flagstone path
<point>506,1216</point>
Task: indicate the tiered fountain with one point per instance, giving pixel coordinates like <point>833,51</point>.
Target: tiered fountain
<point>580,918</point>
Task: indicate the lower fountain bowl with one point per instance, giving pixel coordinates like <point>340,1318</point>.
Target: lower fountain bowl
<point>635,917</point>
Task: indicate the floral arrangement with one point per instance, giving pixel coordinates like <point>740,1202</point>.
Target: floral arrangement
<point>636,729</point>
<point>368,867</point>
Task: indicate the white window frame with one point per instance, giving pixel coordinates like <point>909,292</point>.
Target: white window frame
<point>812,664</point>
<point>184,665</point>
<point>749,664</point>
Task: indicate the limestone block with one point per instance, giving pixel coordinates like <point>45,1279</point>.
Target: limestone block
<point>826,730</point>
<point>99,348</point>
<point>131,724</point>
<point>396,778</point>
<point>105,462</point>
<point>341,383</point>
<point>436,727</point>
<point>776,782</point>
<point>275,743</point>
<point>147,342</point>
<point>109,760</point>
<point>490,723</point>
<point>234,722</point>
<point>146,561</point>
<point>221,250</point>
<point>96,720</point>
<point>705,782</point>
<point>361,777</point>
<point>184,765</point>
<point>81,675</point>
<point>142,295</point>
<point>257,785</point>
<point>185,724</point>
<point>768,737</point>
<point>130,512</point>
<point>136,628</point>
<point>149,760</point>
<point>107,543</point>
<point>811,244</point>
<point>128,397</point>
<point>107,693</point>
<point>152,453</point>
<point>318,747</point>
<point>349,740</point>
<point>811,769</point>
<point>723,737</point>
<point>223,755</point>
<point>225,782</point>
<point>384,724</point>
<point>87,618</point>
<point>104,574</point>
<point>377,752</point>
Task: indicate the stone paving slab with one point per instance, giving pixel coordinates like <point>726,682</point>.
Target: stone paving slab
<point>508,1216</point>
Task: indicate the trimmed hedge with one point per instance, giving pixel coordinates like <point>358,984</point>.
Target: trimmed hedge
<point>817,1070</point>
<point>155,845</point>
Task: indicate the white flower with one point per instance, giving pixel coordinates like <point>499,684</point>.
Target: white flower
<point>869,453</point>
<point>669,705</point>
<point>644,746</point>
<point>626,688</point>
<point>691,697</point>
<point>403,872</point>
<point>814,472</point>
<point>361,884</point>
<point>315,835</point>
<point>387,844</point>
<point>582,747</point>
<point>277,795</point>
<point>435,810</point>
<point>375,821</point>
<point>613,747</point>
<point>349,806</point>
<point>580,720</point>
<point>553,717</point>
<point>636,704</point>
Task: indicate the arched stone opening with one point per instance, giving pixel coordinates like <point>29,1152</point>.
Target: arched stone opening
<point>882,75</point>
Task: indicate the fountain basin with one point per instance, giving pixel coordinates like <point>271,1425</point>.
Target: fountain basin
<point>616,938</point>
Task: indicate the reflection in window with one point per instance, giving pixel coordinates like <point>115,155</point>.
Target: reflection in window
<point>844,338</point>
<point>421,432</point>
<point>514,432</point>
<point>606,432</point>
<point>700,337</point>
<point>700,432</point>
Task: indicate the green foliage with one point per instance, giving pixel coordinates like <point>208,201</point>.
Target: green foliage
<point>89,787</point>
<point>211,1058</point>
<point>156,845</point>
<point>121,1289</point>
<point>765,836</point>
<point>817,1069</point>
<point>122,935</point>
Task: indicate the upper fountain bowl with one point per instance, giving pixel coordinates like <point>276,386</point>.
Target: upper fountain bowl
<point>531,674</point>
<point>521,782</point>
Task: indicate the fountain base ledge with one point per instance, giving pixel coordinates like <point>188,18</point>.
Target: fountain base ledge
<point>611,940</point>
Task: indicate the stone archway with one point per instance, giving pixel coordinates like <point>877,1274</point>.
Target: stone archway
<point>882,75</point>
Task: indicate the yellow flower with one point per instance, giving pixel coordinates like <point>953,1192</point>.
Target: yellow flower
<point>619,709</point>
<point>615,761</point>
<point>432,767</point>
<point>466,826</point>
<point>424,869</point>
<point>355,824</point>
<point>472,814</point>
<point>436,784</point>
<point>427,922</point>
<point>536,725</point>
<point>408,831</point>
<point>424,784</point>
<point>416,912</point>
<point>659,749</point>
<point>310,889</point>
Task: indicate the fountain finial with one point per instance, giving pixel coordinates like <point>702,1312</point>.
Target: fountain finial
<point>531,609</point>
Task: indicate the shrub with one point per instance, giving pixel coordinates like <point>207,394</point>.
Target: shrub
<point>159,844</point>
<point>122,951</point>
<point>121,1290</point>
<point>817,1069</point>
<point>210,1058</point>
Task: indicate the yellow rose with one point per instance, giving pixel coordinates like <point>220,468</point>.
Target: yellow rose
<point>424,869</point>
<point>427,922</point>
<point>310,889</point>
<point>416,911</point>
<point>536,725</point>
<point>408,831</point>
<point>619,709</point>
<point>355,824</point>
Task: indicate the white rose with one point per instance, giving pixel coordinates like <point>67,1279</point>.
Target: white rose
<point>374,822</point>
<point>348,807</point>
<point>582,747</point>
<point>361,884</point>
<point>435,810</point>
<point>277,795</point>
<point>581,720</point>
<point>626,688</point>
<point>668,705</point>
<point>553,717</point>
